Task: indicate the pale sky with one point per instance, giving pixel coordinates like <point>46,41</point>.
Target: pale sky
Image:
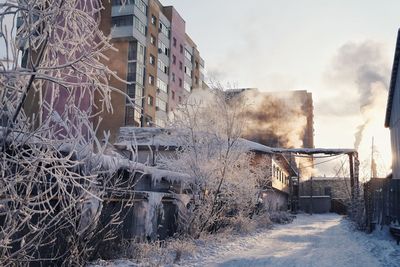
<point>314,45</point>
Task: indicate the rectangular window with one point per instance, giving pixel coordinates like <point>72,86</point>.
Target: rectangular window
<point>152,60</point>
<point>150,100</point>
<point>188,55</point>
<point>188,71</point>
<point>162,66</point>
<point>131,77</point>
<point>161,105</point>
<point>173,77</point>
<point>186,86</point>
<point>174,42</point>
<point>152,39</point>
<point>140,75</point>
<point>153,20</point>
<point>196,80</point>
<point>180,65</point>
<point>132,51</point>
<point>173,95</point>
<point>173,59</point>
<point>141,5</point>
<point>121,21</point>
<point>139,26</point>
<point>122,2</point>
<point>162,85</point>
<point>151,79</point>
<point>162,48</point>
<point>181,49</point>
<point>180,82</point>
<point>141,53</point>
<point>164,29</point>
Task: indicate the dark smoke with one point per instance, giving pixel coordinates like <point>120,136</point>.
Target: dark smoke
<point>275,120</point>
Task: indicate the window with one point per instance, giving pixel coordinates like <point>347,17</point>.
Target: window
<point>196,80</point>
<point>162,48</point>
<point>139,26</point>
<point>174,42</point>
<point>172,96</point>
<point>173,59</point>
<point>150,100</point>
<point>162,85</point>
<point>153,20</point>
<point>180,82</point>
<point>188,71</point>
<point>181,48</point>
<point>152,60</point>
<point>153,39</point>
<point>173,77</point>
<point>162,66</point>
<point>121,21</point>
<point>120,2</point>
<point>132,51</point>
<point>188,55</point>
<point>196,63</point>
<point>140,75</point>
<point>141,53</point>
<point>180,99</point>
<point>180,65</point>
<point>141,5</point>
<point>164,29</point>
<point>186,86</point>
<point>161,104</point>
<point>131,77</point>
<point>151,79</point>
<point>131,90</point>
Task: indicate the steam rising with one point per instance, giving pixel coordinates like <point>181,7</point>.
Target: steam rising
<point>364,65</point>
<point>275,119</point>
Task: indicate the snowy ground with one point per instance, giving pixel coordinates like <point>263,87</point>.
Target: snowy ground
<point>317,240</point>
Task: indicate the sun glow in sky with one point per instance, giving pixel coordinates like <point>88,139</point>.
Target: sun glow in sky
<point>330,48</point>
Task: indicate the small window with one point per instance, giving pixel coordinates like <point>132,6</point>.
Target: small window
<point>180,82</point>
<point>174,42</point>
<point>173,96</point>
<point>181,49</point>
<point>180,65</point>
<point>152,60</point>
<point>153,20</point>
<point>151,79</point>
<point>173,59</point>
<point>173,77</point>
<point>150,100</point>
<point>153,40</point>
<point>180,99</point>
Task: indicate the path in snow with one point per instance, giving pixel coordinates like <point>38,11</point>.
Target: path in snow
<point>317,240</point>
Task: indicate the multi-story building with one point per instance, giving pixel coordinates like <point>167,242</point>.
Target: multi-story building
<point>155,55</point>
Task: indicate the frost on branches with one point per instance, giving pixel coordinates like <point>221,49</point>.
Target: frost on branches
<point>226,180</point>
<point>51,187</point>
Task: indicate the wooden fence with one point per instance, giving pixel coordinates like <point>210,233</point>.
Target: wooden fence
<point>382,202</point>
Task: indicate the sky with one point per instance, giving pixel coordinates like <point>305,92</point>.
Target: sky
<point>341,51</point>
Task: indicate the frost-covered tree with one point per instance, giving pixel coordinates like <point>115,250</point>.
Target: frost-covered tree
<point>53,83</point>
<point>226,179</point>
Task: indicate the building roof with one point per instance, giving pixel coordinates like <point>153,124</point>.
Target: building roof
<point>393,81</point>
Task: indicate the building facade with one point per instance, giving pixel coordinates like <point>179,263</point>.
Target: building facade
<point>392,120</point>
<point>155,56</point>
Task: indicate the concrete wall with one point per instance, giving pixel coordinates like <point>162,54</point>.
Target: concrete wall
<point>318,204</point>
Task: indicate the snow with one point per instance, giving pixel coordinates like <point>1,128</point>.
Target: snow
<point>317,240</point>
<point>153,203</point>
<point>321,240</point>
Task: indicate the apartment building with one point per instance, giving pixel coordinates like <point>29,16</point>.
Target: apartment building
<point>155,55</point>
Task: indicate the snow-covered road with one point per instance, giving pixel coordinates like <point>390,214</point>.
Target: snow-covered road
<point>317,240</point>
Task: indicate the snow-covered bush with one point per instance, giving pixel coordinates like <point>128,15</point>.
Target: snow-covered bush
<point>225,180</point>
<point>280,217</point>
